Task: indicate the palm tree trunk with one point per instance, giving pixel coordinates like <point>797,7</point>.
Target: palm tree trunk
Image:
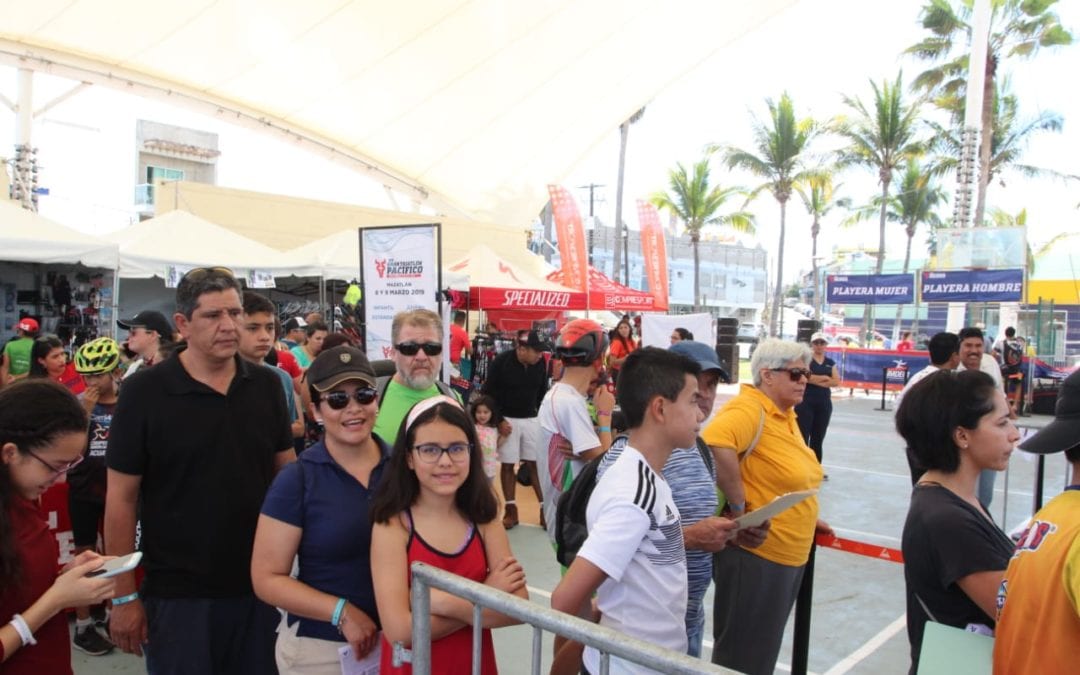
<point>697,274</point>
<point>899,307</point>
<point>868,311</point>
<point>778,291</point>
<point>624,131</point>
<point>985,140</point>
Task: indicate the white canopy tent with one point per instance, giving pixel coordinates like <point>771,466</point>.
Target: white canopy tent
<point>468,107</point>
<point>182,239</point>
<point>27,237</point>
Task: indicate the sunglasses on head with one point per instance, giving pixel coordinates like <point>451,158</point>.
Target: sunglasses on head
<point>429,453</point>
<point>412,348</point>
<point>795,374</point>
<point>337,400</point>
<point>200,273</point>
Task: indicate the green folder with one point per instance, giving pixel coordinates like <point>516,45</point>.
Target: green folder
<point>952,651</point>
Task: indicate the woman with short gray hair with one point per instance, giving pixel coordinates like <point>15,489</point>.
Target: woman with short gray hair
<point>760,454</point>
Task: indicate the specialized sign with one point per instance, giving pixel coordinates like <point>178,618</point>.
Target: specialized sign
<point>654,252</point>
<point>870,289</point>
<point>973,286</point>
<point>523,298</point>
<point>399,271</point>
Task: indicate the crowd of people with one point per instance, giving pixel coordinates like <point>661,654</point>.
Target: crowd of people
<point>279,489</point>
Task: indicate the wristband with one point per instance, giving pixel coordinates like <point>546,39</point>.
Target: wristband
<point>125,599</point>
<point>335,620</point>
<point>23,629</point>
<point>603,429</point>
<point>603,414</point>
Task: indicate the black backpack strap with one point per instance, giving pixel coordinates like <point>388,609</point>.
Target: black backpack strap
<point>381,383</point>
<point>706,455</point>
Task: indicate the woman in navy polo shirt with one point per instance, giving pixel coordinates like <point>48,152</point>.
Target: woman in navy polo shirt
<point>317,509</point>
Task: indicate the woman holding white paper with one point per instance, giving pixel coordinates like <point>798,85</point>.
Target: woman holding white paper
<point>761,454</point>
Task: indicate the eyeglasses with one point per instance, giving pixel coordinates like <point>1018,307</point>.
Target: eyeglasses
<point>412,348</point>
<point>337,400</point>
<point>63,468</point>
<point>200,273</point>
<point>795,374</point>
<point>429,453</point>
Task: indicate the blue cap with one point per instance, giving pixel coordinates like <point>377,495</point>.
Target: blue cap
<point>700,352</point>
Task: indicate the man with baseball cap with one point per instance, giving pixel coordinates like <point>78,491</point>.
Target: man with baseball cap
<point>147,331</point>
<point>15,360</point>
<point>517,380</point>
<point>294,332</point>
<point>1038,621</point>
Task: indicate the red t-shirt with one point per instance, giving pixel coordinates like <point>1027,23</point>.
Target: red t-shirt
<point>459,339</point>
<point>72,380</point>
<point>905,346</point>
<point>38,554</point>
<point>287,362</point>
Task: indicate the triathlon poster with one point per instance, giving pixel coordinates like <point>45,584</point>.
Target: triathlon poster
<point>400,269</point>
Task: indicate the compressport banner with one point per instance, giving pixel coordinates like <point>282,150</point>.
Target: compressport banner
<point>870,289</point>
<point>399,270</point>
<point>973,286</point>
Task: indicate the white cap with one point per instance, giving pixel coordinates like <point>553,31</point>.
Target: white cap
<point>818,336</point>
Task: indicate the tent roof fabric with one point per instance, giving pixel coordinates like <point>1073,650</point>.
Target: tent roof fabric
<point>27,237</point>
<point>494,283</point>
<point>605,294</point>
<point>470,106</point>
<point>180,238</point>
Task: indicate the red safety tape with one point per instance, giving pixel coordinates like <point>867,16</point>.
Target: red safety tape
<point>860,548</point>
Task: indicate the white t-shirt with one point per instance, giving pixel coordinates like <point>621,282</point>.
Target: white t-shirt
<point>917,377</point>
<point>564,413</point>
<point>635,537</point>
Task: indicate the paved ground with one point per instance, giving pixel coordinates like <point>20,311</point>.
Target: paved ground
<point>858,613</point>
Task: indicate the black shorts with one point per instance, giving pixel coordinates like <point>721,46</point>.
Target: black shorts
<point>85,518</point>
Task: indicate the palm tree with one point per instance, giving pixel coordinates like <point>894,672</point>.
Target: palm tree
<point>882,140</point>
<point>1007,142</point>
<point>780,149</point>
<point>913,205</point>
<point>818,195</point>
<point>696,203</point>
<point>624,132</point>
<point>1017,28</point>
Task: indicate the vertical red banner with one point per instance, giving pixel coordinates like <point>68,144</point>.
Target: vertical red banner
<point>654,251</point>
<point>571,235</point>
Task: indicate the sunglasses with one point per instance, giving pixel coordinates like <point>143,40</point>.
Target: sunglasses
<point>200,273</point>
<point>819,342</point>
<point>795,374</point>
<point>429,453</point>
<point>337,400</point>
<point>412,348</point>
<point>63,468</point>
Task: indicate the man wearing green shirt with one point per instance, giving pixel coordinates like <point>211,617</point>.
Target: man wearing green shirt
<point>15,361</point>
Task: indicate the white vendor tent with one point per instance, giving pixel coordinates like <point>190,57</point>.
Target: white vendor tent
<point>183,239</point>
<point>27,237</point>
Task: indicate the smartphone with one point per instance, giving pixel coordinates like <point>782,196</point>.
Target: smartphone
<point>117,566</point>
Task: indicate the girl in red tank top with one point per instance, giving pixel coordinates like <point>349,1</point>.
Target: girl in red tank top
<point>435,505</point>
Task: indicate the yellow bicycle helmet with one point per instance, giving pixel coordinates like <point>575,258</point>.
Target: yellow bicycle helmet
<point>97,356</point>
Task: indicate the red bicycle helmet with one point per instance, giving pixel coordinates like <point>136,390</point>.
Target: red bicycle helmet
<point>581,342</point>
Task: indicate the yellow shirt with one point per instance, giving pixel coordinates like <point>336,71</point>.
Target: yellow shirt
<point>780,463</point>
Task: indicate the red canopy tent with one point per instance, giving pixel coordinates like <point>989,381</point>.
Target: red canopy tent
<point>605,294</point>
<point>510,296</point>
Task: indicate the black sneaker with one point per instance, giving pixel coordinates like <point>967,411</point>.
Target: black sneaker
<point>90,641</point>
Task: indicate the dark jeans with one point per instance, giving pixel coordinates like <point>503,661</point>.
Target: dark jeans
<point>210,636</point>
<point>813,418</point>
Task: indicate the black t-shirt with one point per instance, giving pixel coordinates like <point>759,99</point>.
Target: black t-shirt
<point>87,481</point>
<point>206,461</point>
<point>945,539</point>
<point>815,393</point>
<point>518,389</point>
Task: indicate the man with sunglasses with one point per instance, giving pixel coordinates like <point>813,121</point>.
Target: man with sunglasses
<point>417,335</point>
<point>517,379</point>
<point>195,443</point>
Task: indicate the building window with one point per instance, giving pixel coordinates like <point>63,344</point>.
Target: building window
<point>156,173</point>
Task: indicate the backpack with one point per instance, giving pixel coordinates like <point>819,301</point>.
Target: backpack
<point>570,527</point>
<point>1011,354</point>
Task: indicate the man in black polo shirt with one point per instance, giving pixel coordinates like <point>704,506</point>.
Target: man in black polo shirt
<point>517,380</point>
<point>198,438</point>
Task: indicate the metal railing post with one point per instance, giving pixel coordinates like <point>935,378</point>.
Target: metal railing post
<point>421,626</point>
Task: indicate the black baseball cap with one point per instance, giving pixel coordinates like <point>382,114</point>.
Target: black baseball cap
<point>295,323</point>
<point>150,320</point>
<point>533,340</point>
<point>340,364</point>
<point>1064,432</point>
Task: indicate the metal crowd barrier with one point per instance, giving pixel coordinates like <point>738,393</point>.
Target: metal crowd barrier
<point>608,641</point>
